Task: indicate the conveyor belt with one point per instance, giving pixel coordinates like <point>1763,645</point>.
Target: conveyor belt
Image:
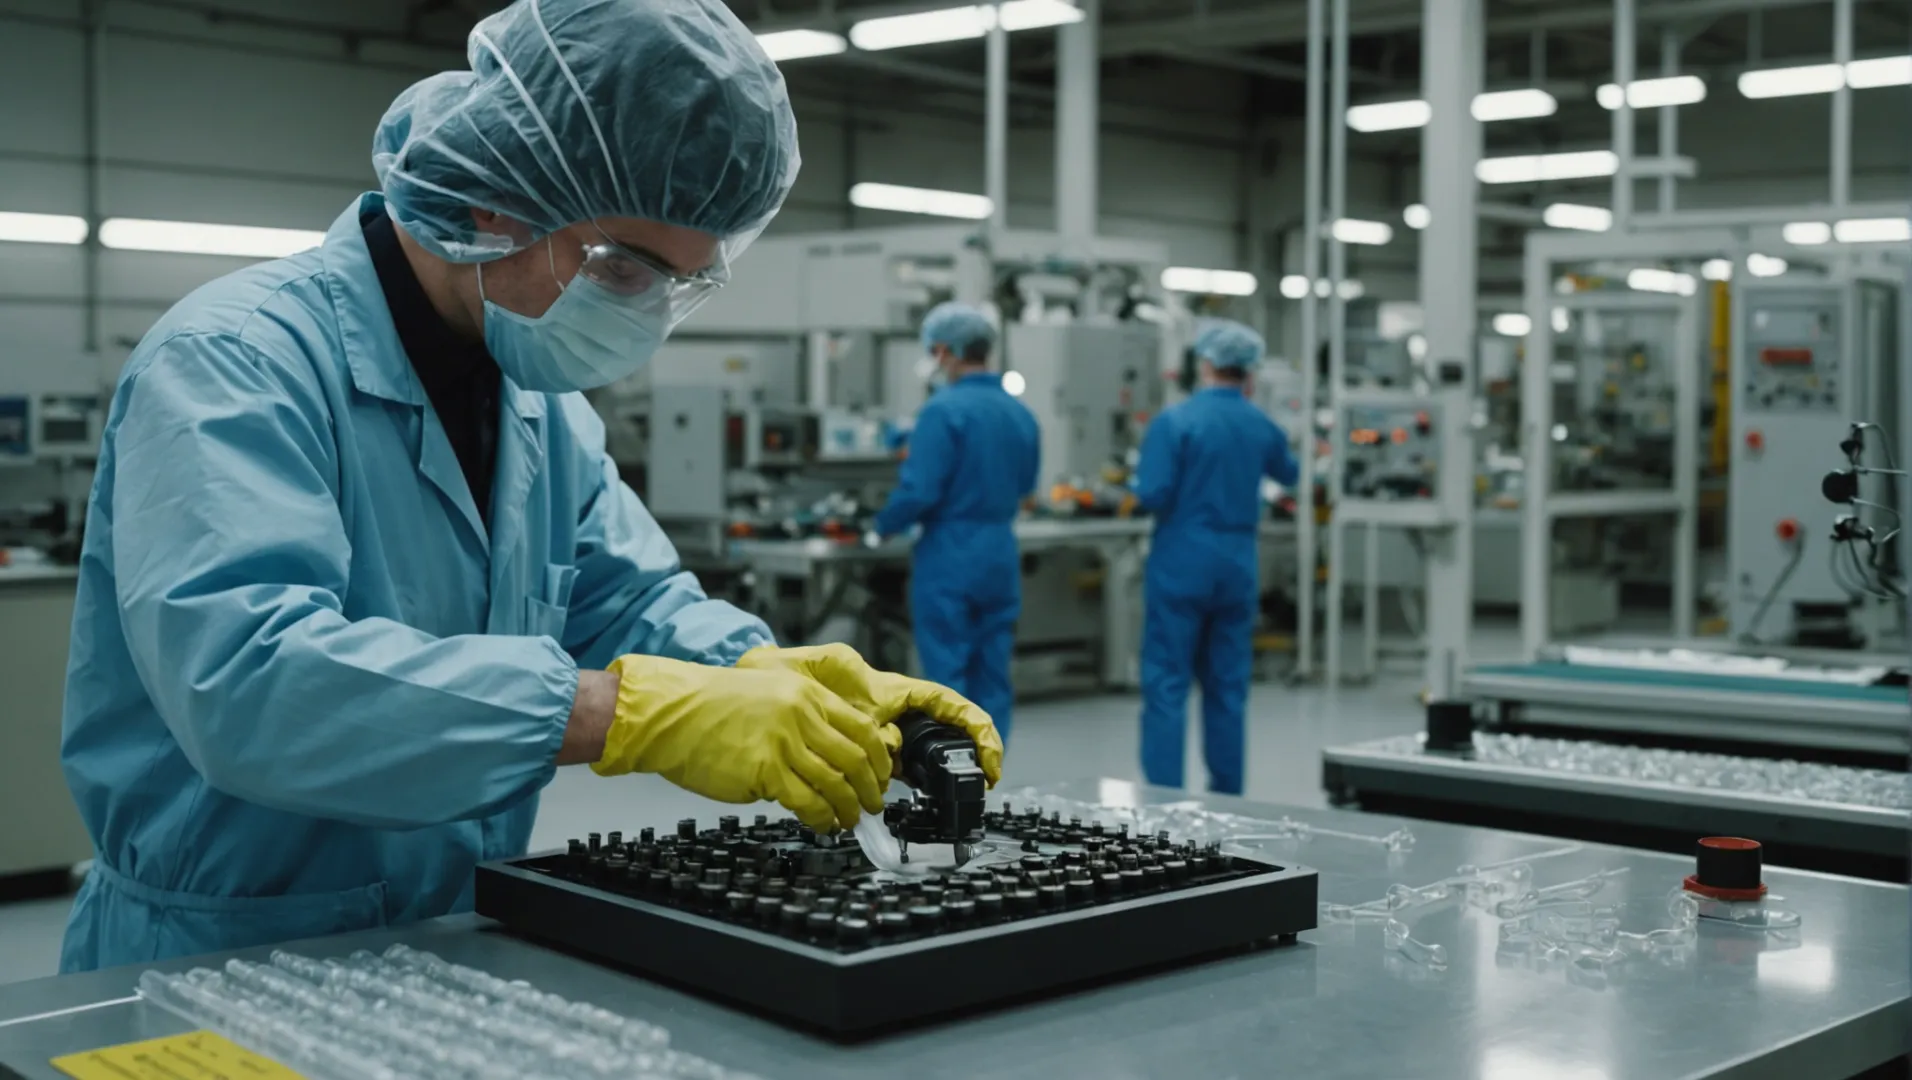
<point>1809,716</point>
<point>1396,776</point>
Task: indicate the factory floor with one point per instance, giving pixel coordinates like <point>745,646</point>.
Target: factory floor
<point>1054,739</point>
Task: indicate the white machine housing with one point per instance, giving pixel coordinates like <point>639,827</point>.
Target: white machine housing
<point>1092,387</point>
<point>1810,357</point>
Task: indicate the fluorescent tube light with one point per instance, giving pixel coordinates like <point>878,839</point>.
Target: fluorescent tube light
<point>1653,93</point>
<point>1416,216</point>
<point>1765,265</point>
<point>1885,71</point>
<point>1806,233</point>
<point>1575,216</point>
<point>1514,105</point>
<point>1036,14</point>
<point>912,200</point>
<point>205,238</point>
<point>1718,269</point>
<point>1357,231</point>
<point>1191,279</point>
<point>1792,81</point>
<point>1013,383</point>
<point>958,23</point>
<point>1512,324</point>
<point>1351,289</point>
<point>1528,168</point>
<point>1646,279</point>
<point>1390,115</point>
<point>23,228</point>
<point>781,45</point>
<point>1294,286</point>
<point>1872,230</point>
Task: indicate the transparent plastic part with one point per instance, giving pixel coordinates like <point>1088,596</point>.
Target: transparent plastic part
<point>1763,914</point>
<point>1190,820</point>
<point>409,1015</point>
<point>1401,940</point>
<point>1802,780</point>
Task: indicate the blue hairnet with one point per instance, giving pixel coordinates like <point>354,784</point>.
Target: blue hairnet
<point>957,327</point>
<point>1227,344</point>
<point>666,110</point>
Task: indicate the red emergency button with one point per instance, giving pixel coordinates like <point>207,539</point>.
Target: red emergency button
<point>1755,440</point>
<point>1788,530</point>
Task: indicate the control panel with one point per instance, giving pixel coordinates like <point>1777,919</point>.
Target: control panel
<point>1390,452</point>
<point>1792,356</point>
<point>1809,358</point>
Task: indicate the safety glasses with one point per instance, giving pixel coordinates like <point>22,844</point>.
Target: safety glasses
<point>642,280</point>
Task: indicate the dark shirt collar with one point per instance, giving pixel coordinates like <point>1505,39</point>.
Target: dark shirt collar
<point>438,354</point>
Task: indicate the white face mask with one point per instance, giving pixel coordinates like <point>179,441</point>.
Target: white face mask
<point>932,372</point>
<point>589,337</point>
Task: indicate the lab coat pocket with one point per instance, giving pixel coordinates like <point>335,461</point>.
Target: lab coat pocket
<point>184,924</point>
<point>543,620</point>
<point>544,615</point>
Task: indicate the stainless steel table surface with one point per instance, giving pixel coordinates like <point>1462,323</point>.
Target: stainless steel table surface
<point>1336,1006</point>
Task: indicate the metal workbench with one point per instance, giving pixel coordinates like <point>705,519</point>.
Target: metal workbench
<point>1395,775</point>
<point>1831,1003</point>
<point>1808,717</point>
<point>822,565</point>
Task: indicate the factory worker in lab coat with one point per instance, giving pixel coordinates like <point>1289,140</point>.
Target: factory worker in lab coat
<point>1200,474</point>
<point>355,559</point>
<point>972,460</point>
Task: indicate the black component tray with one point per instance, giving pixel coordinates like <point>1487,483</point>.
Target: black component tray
<point>769,916</point>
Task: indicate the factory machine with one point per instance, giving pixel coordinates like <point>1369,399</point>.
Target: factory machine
<point>1812,359</point>
<point>1787,729</point>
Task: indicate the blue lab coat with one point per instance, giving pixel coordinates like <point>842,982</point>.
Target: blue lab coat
<point>1200,475</point>
<point>972,460</point>
<point>309,687</point>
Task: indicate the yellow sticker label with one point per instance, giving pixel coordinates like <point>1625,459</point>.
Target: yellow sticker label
<point>196,1055</point>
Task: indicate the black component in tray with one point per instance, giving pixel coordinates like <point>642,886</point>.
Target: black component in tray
<point>804,927</point>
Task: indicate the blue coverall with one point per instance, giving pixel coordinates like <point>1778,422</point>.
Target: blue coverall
<point>1200,475</point>
<point>972,460</point>
<point>310,688</point>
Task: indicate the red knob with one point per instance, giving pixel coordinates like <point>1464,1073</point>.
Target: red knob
<point>1788,529</point>
<point>1755,441</point>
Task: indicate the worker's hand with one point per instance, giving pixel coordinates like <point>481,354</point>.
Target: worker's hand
<point>884,695</point>
<point>740,735</point>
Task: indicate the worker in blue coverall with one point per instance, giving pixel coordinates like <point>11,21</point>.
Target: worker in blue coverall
<point>972,461</point>
<point>355,558</point>
<point>1200,474</point>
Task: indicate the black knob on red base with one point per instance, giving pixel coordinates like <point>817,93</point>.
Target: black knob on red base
<point>1728,869</point>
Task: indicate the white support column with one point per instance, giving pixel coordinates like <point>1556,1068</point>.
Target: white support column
<point>1078,79</point>
<point>1337,332</point>
<point>1623,75</point>
<point>1453,37</point>
<point>996,130</point>
<point>1842,105</point>
<point>1536,450</point>
<point>1669,119</point>
<point>1305,532</point>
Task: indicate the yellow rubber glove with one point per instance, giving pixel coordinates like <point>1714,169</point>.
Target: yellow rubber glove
<point>740,735</point>
<point>884,695</point>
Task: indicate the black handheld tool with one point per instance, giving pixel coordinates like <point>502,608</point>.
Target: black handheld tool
<point>939,763</point>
